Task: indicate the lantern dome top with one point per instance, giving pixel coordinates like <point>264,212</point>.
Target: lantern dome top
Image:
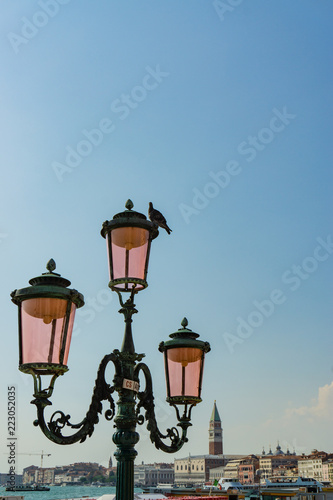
<point>49,284</point>
<point>129,213</point>
<point>184,337</point>
<point>184,332</point>
<point>50,278</point>
<point>129,218</point>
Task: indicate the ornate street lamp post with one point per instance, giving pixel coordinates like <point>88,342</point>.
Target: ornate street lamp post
<point>46,318</point>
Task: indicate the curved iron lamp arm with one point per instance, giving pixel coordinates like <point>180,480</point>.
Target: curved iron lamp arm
<point>146,401</point>
<point>102,391</point>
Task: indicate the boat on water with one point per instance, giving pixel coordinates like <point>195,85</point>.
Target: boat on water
<point>227,484</point>
<point>309,485</point>
<point>233,488</point>
<point>182,491</point>
<point>28,487</point>
<point>292,483</point>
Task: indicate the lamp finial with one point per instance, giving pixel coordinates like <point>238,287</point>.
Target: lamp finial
<point>129,204</point>
<point>184,322</point>
<point>51,265</point>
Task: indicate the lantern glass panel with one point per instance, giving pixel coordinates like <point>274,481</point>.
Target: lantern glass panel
<point>129,246</point>
<point>43,330</point>
<point>184,367</point>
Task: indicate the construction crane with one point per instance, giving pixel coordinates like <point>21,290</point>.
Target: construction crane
<point>42,455</point>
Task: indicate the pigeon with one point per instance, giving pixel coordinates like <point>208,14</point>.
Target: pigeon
<point>158,218</point>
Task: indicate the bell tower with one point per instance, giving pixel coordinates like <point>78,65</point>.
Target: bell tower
<point>215,433</point>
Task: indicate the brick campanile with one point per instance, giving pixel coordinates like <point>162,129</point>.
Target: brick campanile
<point>215,433</point>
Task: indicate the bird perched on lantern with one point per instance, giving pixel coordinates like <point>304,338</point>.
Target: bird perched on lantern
<point>156,217</point>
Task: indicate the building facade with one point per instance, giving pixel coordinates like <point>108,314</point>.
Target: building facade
<point>314,465</point>
<point>231,468</point>
<point>216,474</point>
<point>152,475</point>
<point>247,470</point>
<point>195,470</point>
<point>215,433</point>
<point>30,474</point>
<point>277,463</point>
<point>328,471</point>
<point>45,476</point>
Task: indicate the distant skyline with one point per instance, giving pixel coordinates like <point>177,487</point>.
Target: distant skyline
<point>271,451</point>
<point>221,115</point>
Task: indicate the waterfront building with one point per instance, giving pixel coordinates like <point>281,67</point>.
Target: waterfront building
<point>45,476</point>
<point>160,475</point>
<point>216,473</point>
<point>231,468</point>
<point>64,478</point>
<point>215,433</point>
<point>247,470</point>
<point>270,462</point>
<point>139,475</point>
<point>231,471</point>
<point>29,474</point>
<point>288,469</point>
<point>195,469</point>
<point>313,465</point>
<point>152,475</point>
<point>242,469</point>
<point>328,470</point>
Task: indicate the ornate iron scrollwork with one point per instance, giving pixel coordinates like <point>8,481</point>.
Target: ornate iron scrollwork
<point>146,401</point>
<point>59,420</point>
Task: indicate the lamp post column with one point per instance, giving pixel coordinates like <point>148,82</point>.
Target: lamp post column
<point>126,436</point>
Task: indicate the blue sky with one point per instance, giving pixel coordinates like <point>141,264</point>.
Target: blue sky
<point>221,115</point>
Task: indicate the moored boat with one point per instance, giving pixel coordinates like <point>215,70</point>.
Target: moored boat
<point>226,484</point>
<point>311,485</point>
<point>28,487</point>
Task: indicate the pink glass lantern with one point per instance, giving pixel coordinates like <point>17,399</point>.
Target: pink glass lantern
<point>184,362</point>
<point>46,319</point>
<point>128,237</point>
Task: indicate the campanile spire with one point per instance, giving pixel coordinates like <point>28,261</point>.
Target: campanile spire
<point>215,433</point>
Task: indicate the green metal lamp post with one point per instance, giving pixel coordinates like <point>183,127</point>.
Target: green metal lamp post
<point>46,318</point>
